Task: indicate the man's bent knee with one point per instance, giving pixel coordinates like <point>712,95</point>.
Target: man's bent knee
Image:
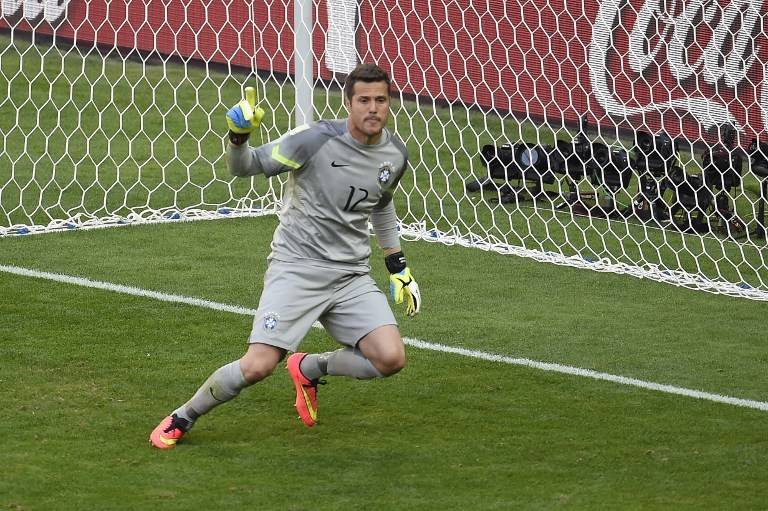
<point>384,348</point>
<point>259,361</point>
<point>391,363</point>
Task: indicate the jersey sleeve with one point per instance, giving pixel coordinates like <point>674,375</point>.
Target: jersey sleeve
<point>290,152</point>
<point>384,222</point>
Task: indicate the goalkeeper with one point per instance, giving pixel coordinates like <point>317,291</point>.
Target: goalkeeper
<point>341,174</point>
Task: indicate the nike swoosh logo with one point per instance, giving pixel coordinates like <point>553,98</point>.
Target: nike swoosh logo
<point>334,164</point>
<point>310,409</point>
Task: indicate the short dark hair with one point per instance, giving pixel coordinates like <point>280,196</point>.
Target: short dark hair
<point>364,73</point>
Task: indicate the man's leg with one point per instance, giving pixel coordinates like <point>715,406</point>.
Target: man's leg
<point>379,353</point>
<point>223,385</point>
<point>362,321</point>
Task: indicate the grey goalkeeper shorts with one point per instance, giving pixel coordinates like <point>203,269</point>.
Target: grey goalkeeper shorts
<point>295,295</point>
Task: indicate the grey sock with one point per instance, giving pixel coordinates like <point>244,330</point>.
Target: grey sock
<point>224,384</point>
<point>314,365</point>
<point>343,362</point>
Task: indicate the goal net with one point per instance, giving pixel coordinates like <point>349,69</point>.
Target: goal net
<point>620,136</point>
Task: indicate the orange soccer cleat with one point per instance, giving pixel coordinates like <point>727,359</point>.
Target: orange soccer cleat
<point>168,432</point>
<point>306,390</point>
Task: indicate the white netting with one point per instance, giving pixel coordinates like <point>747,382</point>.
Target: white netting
<point>523,121</point>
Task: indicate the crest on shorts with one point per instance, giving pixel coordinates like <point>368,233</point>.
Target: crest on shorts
<point>385,172</point>
<point>270,321</point>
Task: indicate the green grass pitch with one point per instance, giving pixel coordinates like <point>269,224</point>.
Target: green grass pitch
<point>88,373</point>
<point>85,374</point>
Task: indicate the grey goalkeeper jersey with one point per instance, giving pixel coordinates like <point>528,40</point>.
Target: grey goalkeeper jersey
<point>335,185</point>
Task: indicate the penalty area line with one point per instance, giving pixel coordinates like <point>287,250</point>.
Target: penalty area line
<point>416,343</point>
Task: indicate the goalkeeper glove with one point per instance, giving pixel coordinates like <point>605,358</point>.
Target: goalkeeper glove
<point>402,285</point>
<point>244,118</point>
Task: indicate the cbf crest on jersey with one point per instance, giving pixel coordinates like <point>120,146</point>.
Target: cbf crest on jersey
<point>270,321</point>
<point>385,172</point>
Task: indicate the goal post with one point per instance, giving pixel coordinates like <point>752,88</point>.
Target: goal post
<point>615,136</point>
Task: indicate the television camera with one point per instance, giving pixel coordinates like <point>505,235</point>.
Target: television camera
<point>606,168</point>
<point>656,163</point>
<point>575,159</point>
<point>522,162</point>
<point>758,163</point>
<point>655,160</point>
<point>722,167</point>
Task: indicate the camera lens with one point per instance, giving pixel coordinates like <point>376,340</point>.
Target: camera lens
<point>529,157</point>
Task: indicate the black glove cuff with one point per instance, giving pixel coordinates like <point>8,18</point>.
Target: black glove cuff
<point>395,262</point>
<point>238,138</point>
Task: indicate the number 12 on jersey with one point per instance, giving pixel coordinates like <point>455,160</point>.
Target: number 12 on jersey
<point>362,192</point>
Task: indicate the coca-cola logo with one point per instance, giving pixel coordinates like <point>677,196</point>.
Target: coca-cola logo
<point>52,11</point>
<point>698,59</point>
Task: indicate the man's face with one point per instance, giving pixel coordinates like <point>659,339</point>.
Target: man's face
<point>368,110</point>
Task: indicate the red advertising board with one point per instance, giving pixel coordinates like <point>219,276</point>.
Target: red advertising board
<point>231,32</point>
<point>681,65</point>
<point>684,66</point>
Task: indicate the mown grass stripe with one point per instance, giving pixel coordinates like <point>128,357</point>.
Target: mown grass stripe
<point>416,343</point>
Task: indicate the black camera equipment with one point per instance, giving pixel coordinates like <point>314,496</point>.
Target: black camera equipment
<point>611,170</point>
<point>758,164</point>
<point>723,167</point>
<point>569,158</point>
<point>692,203</point>
<point>656,164</point>
<point>523,162</point>
<point>475,185</point>
<point>580,158</point>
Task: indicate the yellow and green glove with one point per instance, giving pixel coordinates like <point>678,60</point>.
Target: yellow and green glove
<point>244,117</point>
<point>402,285</point>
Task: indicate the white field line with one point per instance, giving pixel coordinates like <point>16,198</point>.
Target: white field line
<point>416,343</point>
